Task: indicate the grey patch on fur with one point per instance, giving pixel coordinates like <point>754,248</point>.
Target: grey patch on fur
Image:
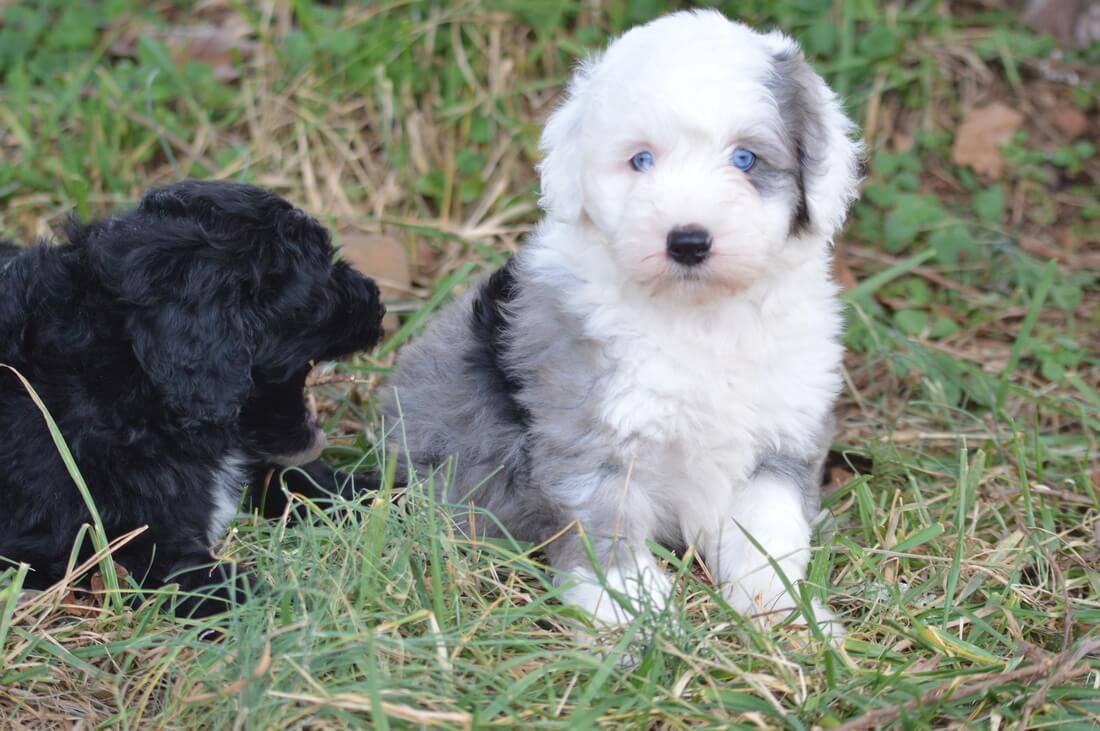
<point>793,84</point>
<point>537,476</point>
<point>776,172</point>
<point>804,469</point>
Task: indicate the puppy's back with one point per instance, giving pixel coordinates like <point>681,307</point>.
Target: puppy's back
<point>453,395</point>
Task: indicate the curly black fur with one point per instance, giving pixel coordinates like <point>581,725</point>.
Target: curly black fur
<point>171,344</point>
<point>486,355</point>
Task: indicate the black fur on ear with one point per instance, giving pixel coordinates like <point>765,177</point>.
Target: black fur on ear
<point>197,357</point>
<point>181,267</point>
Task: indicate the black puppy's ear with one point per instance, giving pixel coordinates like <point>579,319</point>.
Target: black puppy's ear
<point>195,356</point>
<point>179,274</point>
<point>215,280</point>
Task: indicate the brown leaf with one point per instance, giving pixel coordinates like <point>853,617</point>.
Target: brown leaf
<point>265,662</point>
<point>80,604</point>
<point>234,688</point>
<point>428,259</point>
<point>1073,23</point>
<point>1070,121</point>
<point>839,477</point>
<point>99,587</point>
<point>982,131</point>
<point>217,44</point>
<point>842,273</point>
<point>1056,17</point>
<point>384,259</point>
<point>1047,250</point>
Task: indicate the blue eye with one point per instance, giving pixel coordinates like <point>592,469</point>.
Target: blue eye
<point>743,159</point>
<point>642,161</point>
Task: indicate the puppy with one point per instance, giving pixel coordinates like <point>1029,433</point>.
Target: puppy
<point>660,360</point>
<point>171,344</point>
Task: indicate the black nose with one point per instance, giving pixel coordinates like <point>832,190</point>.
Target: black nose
<point>688,245</point>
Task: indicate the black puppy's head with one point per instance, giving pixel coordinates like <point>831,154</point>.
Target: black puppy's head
<point>224,285</point>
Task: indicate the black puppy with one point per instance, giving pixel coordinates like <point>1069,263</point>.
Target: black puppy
<point>171,344</point>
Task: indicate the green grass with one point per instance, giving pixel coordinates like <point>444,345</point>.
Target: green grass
<point>963,550</point>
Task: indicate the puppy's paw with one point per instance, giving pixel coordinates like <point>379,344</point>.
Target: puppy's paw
<point>772,611</point>
<point>832,629</point>
<point>643,595</point>
<point>311,453</point>
<point>647,589</point>
<point>206,591</point>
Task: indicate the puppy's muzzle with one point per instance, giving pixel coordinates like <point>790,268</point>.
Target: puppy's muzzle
<point>689,245</point>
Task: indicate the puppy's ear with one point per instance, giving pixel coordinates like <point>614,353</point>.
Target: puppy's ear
<point>560,170</point>
<point>195,356</point>
<point>829,159</point>
<point>180,297</point>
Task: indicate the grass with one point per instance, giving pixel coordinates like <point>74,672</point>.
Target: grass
<point>964,546</point>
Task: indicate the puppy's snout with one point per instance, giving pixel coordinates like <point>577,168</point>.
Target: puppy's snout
<point>689,245</point>
<point>361,295</point>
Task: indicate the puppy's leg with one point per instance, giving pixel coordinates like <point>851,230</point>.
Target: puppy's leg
<point>615,518</point>
<point>206,585</point>
<point>278,423</point>
<point>770,508</point>
<point>314,481</point>
<point>629,570</point>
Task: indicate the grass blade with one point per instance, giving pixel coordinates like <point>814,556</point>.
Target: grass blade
<point>98,535</point>
<point>1042,289</point>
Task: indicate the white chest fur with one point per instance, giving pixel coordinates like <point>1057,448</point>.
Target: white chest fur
<point>694,397</point>
<point>225,484</point>
<point>689,393</point>
<point>735,378</point>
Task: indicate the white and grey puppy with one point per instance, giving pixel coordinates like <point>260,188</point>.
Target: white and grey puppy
<point>659,362</point>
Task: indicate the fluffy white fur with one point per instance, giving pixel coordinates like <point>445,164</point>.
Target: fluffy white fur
<point>643,399</point>
<point>227,486</point>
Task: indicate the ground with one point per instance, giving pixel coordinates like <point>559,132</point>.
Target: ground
<point>964,548</point>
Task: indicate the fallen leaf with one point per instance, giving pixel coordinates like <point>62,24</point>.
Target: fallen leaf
<point>428,259</point>
<point>839,477</point>
<point>1046,250</point>
<point>265,662</point>
<point>234,688</point>
<point>1073,23</point>
<point>384,259</point>
<point>978,138</point>
<point>842,273</point>
<point>217,44</point>
<point>1055,17</point>
<point>80,604</point>
<point>1070,121</point>
<point>99,587</point>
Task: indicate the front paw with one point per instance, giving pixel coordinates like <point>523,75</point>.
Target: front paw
<point>768,607</point>
<point>826,619</point>
<point>209,590</point>
<point>635,592</point>
<point>310,453</point>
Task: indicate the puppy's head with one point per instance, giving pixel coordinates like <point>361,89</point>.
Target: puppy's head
<point>224,285</point>
<point>700,149</point>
